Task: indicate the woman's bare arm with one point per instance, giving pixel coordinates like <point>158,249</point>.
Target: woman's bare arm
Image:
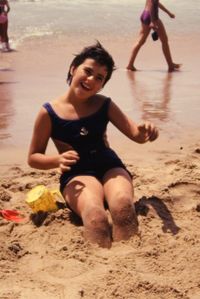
<point>139,133</point>
<point>163,8</point>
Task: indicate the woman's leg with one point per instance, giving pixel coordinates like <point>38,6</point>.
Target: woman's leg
<point>4,36</point>
<point>85,196</point>
<point>1,33</point>
<point>165,47</point>
<point>143,34</point>
<point>118,191</point>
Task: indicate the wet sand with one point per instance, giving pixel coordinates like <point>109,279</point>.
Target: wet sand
<point>36,73</point>
<point>50,259</point>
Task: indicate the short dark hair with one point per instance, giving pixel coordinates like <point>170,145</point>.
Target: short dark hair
<point>99,54</point>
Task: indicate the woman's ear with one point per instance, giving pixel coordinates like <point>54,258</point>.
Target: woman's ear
<point>72,69</point>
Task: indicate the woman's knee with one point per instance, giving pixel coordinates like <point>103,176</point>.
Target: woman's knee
<point>141,42</point>
<point>95,218</point>
<point>162,35</point>
<point>123,211</point>
<point>164,40</point>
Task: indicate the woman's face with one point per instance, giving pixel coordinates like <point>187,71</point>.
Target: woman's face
<point>88,78</point>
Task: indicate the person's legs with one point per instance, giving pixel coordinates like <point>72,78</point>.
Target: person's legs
<point>4,34</point>
<point>85,196</point>
<point>143,34</point>
<point>165,47</point>
<point>118,190</point>
<point>1,33</point>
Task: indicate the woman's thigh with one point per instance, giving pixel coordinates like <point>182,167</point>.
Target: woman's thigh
<point>117,184</point>
<point>84,192</point>
<point>143,33</point>
<point>3,31</point>
<point>161,31</point>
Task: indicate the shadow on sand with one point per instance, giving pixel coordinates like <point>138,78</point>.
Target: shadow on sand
<point>142,208</point>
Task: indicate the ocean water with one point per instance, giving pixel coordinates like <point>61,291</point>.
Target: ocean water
<point>93,17</point>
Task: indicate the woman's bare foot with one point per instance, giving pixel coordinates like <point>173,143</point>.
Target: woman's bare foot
<point>174,67</point>
<point>131,68</point>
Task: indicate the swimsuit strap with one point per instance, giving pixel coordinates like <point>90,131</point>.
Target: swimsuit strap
<point>54,115</point>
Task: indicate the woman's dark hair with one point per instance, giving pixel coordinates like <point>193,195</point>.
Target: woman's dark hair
<point>99,54</point>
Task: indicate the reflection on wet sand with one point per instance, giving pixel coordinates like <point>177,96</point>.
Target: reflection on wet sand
<point>154,104</point>
<point>6,107</point>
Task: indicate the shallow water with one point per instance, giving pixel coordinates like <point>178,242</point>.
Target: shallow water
<point>93,18</point>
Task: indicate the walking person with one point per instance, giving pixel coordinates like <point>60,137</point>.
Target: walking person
<point>4,10</point>
<point>150,20</point>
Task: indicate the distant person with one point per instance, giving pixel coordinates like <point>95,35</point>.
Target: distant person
<point>92,173</point>
<point>4,10</point>
<point>150,20</point>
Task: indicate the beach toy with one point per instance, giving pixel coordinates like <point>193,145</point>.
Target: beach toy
<point>41,199</point>
<point>154,35</point>
<point>12,215</point>
<point>3,18</point>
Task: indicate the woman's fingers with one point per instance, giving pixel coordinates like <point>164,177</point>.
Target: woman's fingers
<point>154,134</point>
<point>67,159</point>
<point>149,131</point>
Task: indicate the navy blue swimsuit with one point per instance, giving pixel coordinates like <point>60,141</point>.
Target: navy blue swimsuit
<point>85,135</point>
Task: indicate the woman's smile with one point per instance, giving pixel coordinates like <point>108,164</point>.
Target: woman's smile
<point>85,86</point>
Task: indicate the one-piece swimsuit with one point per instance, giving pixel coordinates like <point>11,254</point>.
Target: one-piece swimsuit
<point>85,135</point>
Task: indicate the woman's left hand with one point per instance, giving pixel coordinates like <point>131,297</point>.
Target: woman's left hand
<point>147,132</point>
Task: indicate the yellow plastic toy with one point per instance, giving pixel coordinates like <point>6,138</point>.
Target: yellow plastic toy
<point>41,199</point>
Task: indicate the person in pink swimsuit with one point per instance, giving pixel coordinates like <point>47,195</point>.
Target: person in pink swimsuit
<point>4,9</point>
<point>150,20</point>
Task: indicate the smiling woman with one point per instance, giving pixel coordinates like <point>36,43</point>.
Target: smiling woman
<point>91,171</point>
<point>91,75</point>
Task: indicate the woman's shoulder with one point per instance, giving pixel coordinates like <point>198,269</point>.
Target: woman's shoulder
<point>102,98</point>
<point>55,103</point>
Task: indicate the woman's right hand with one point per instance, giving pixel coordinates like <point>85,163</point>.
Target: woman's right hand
<point>171,15</point>
<point>67,159</point>
<point>153,25</point>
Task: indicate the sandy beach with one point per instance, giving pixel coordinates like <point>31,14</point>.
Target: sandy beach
<point>46,257</point>
<point>49,258</point>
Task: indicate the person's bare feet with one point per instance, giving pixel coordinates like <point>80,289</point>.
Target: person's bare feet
<point>174,67</point>
<point>131,68</point>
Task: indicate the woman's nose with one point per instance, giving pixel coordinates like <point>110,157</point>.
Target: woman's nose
<point>90,78</point>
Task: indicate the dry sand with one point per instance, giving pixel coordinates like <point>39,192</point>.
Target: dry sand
<point>48,259</point>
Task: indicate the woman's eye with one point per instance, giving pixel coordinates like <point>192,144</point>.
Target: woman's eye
<point>88,72</point>
<point>100,79</point>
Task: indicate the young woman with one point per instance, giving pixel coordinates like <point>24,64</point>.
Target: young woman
<point>92,173</point>
<point>150,20</point>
